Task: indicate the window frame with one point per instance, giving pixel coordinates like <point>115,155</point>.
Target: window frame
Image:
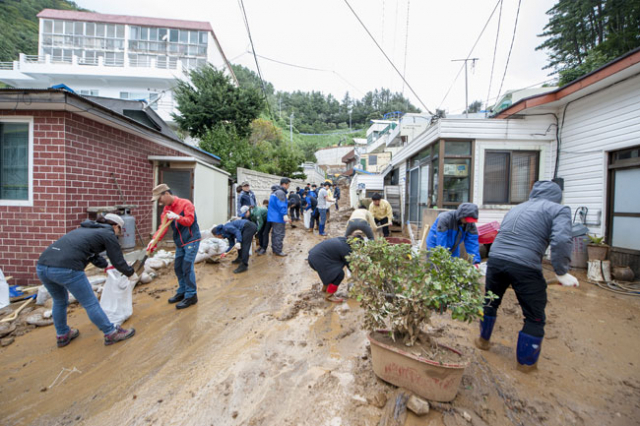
<point>29,120</point>
<point>509,202</point>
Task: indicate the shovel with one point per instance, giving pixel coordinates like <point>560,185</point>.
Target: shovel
<point>152,243</point>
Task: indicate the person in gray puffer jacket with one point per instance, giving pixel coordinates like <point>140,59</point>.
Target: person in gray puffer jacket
<point>516,259</point>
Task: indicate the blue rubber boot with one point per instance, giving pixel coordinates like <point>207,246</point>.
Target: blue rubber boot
<point>528,351</point>
<point>486,328</point>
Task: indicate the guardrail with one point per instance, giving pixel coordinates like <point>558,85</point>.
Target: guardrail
<point>171,64</point>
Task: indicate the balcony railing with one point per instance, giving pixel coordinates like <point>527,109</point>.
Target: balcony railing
<point>26,61</point>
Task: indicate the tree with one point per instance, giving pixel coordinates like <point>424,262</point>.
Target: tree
<point>475,106</point>
<point>233,150</point>
<point>583,35</point>
<point>210,99</point>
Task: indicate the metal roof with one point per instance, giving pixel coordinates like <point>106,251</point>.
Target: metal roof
<point>74,15</point>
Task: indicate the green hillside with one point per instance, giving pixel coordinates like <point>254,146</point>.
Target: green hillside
<point>19,29</point>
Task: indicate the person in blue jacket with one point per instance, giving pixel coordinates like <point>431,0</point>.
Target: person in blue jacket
<point>454,228</point>
<point>277,215</point>
<point>240,231</point>
<point>311,204</point>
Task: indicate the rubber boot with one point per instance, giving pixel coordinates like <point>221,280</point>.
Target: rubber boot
<point>528,351</point>
<point>330,296</point>
<point>486,328</point>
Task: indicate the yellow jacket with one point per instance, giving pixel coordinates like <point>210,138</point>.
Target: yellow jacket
<point>381,211</point>
<point>364,215</point>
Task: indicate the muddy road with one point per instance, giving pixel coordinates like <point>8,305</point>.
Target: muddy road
<point>264,348</point>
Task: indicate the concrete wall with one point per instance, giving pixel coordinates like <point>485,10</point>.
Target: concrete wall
<point>210,194</point>
<point>332,156</point>
<point>261,183</point>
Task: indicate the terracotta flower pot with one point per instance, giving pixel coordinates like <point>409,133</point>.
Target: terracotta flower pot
<point>424,377</point>
<point>597,251</point>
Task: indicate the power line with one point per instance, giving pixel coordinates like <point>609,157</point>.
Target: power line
<point>387,57</point>
<point>495,49</point>
<point>406,44</point>
<point>515,26</point>
<point>470,52</point>
<point>264,90</point>
<point>311,69</point>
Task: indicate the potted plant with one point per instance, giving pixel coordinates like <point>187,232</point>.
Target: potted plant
<point>597,249</point>
<point>399,290</point>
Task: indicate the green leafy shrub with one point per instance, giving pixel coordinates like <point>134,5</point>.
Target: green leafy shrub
<point>595,240</point>
<point>399,290</point>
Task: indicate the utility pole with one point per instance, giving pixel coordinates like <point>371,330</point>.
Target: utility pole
<point>291,128</point>
<point>466,84</point>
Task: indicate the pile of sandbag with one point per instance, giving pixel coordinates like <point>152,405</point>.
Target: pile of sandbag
<point>211,247</point>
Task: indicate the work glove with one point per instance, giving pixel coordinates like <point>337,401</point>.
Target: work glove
<point>568,280</point>
<point>172,216</point>
<point>151,247</point>
<point>134,278</point>
<point>286,218</point>
<point>238,245</point>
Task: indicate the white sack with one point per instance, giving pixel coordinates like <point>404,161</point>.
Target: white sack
<point>116,299</point>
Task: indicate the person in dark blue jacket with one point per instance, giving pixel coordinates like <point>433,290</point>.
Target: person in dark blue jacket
<point>314,191</point>
<point>240,231</point>
<point>311,204</point>
<point>455,227</point>
<point>246,197</point>
<point>336,195</point>
<point>277,215</point>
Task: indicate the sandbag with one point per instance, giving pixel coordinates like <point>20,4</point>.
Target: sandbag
<point>43,295</point>
<point>307,218</point>
<point>116,299</point>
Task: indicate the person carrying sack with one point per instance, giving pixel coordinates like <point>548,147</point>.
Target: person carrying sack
<point>61,270</point>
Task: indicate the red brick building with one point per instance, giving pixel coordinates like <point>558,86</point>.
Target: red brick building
<point>59,153</point>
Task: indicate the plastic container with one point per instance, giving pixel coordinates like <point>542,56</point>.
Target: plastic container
<point>128,237</point>
<point>487,233</point>
<point>426,378</point>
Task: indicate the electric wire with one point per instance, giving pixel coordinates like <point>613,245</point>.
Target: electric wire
<point>387,57</point>
<point>253,49</point>
<point>311,69</point>
<point>470,52</point>
<point>515,26</point>
<point>495,50</point>
<point>406,44</point>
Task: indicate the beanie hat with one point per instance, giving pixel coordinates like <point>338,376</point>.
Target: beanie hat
<point>243,210</point>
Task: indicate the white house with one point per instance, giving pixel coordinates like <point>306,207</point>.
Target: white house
<point>597,118</point>
<point>492,163</point>
<point>115,56</point>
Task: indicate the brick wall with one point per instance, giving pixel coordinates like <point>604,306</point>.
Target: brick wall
<point>73,160</point>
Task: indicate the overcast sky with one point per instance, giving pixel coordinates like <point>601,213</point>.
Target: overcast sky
<point>325,34</point>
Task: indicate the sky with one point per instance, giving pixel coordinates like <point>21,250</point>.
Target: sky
<point>421,37</point>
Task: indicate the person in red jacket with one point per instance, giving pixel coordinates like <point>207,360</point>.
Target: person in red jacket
<point>186,236</point>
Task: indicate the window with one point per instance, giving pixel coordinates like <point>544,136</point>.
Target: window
<point>373,160</point>
<point>509,176</point>
<point>15,162</point>
<point>88,92</point>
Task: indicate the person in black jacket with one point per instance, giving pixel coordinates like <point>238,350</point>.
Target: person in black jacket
<point>294,206</point>
<point>328,259</point>
<point>61,270</point>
